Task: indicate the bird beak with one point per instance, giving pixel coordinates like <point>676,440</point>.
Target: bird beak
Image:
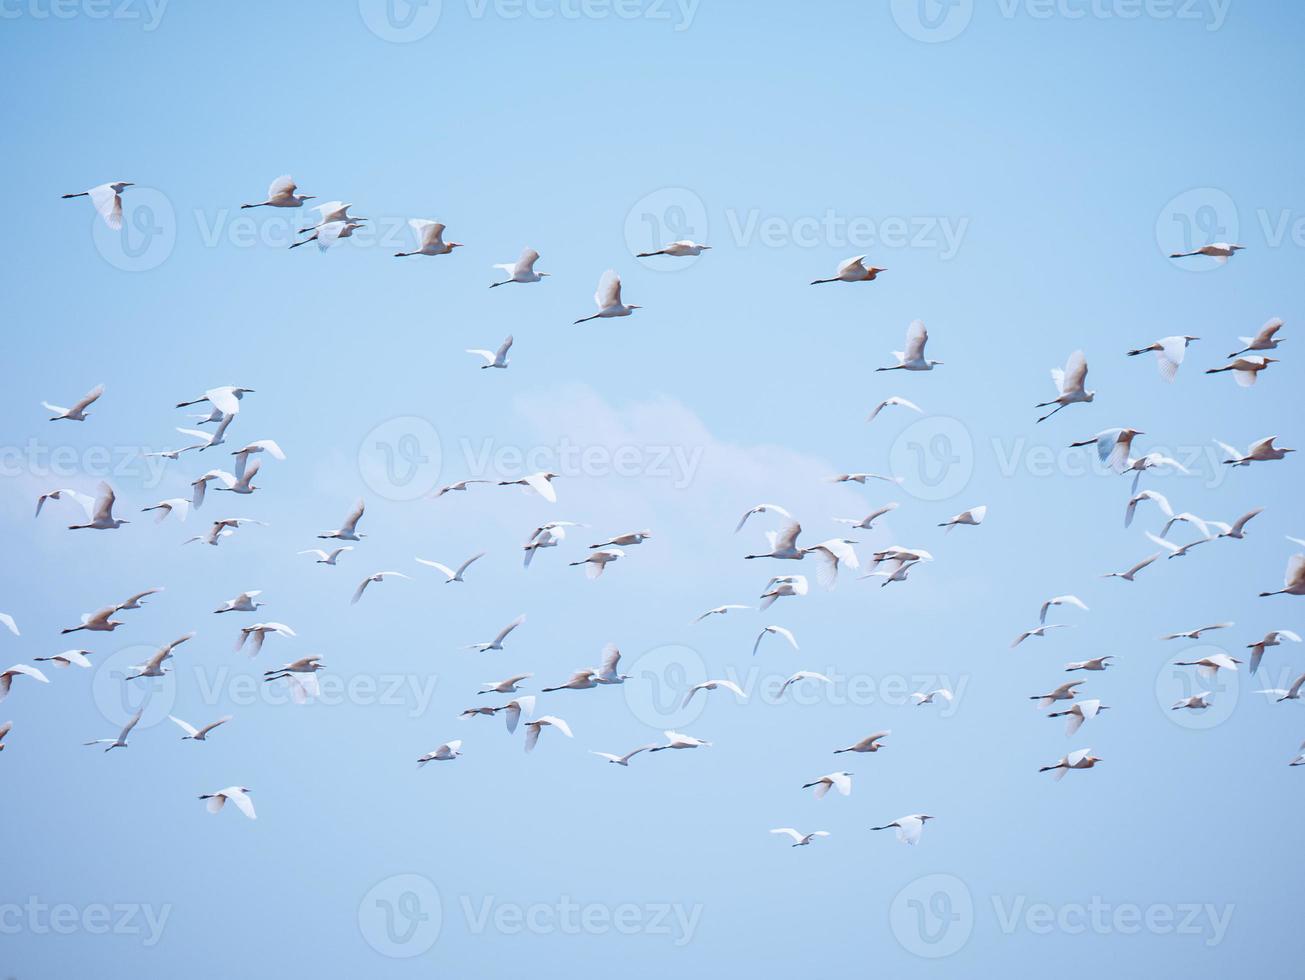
<point>706,248</point>
<point>310,197</point>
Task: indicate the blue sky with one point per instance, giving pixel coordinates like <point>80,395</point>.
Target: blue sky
<point>1022,181</point>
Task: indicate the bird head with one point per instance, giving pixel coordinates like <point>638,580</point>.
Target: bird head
<point>874,270</point>
<point>118,185</point>
<point>632,306</point>
<point>454,244</point>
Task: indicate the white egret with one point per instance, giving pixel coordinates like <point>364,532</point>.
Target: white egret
<point>82,500</point>
<point>608,299</point>
<point>326,558</point>
<point>841,781</point>
<point>1112,446</point>
<point>909,828</point>
<point>606,672</point>
<point>801,675</point>
<point>913,359</point>
<point>783,585</point>
<point>256,633</point>
<point>444,753</point>
<point>8,674</point>
<point>712,685</point>
<point>777,631</point>
<point>5,729</point>
<point>1065,692</point>
<point>1219,251</point>
<point>678,740</point>
<point>972,517</point>
<point>268,446</point>
<point>867,523</point>
<point>1079,759</point>
<point>281,194</point>
<point>330,212</point>
<point>244,602</point>
<point>97,622</point>
<point>1196,702</point>
<point>68,658</point>
<point>720,611</point>
<point>77,412</point>
<point>868,744</point>
<point>1271,639</point>
<point>800,839</point>
<point>1293,582</point>
<point>514,709</point>
<point>1079,712</point>
<point>507,686</point>
<point>452,575</point>
<point>494,358</point>
<point>622,760</point>
<point>328,234</point>
<point>460,485</point>
<point>761,509</point>
<point>541,483</point>
<point>533,728</point>
<point>1292,693</point>
<point>8,623</point>
<point>348,531</point>
<point>1236,530</point>
<point>199,486</point>
<point>927,697</point>
<point>1130,574</point>
<point>156,665</point>
<point>107,201</point>
<point>1060,600</point>
<point>1038,631</point>
<point>522,270</point>
<point>1169,353</point>
<point>198,734</point>
<point>376,577</point>
<point>1263,451</point>
<point>178,505</point>
<point>237,795</point>
<point>625,540</point>
<point>225,400</point>
<point>1176,551</point>
<point>1266,339</point>
<point>579,681</point>
<point>121,741</point>
<point>863,477</point>
<point>595,562</point>
<point>1209,667</point>
<point>1070,384</point>
<point>1246,369</point>
<point>1096,663</point>
<point>679,249</point>
<point>853,270</point>
<point>102,519</point>
<point>894,401</point>
<point>497,642</point>
<point>430,239</point>
<point>1196,633</point>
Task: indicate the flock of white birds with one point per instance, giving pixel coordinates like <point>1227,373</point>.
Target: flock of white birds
<point>222,406</point>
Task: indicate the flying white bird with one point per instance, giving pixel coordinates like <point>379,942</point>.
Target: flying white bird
<point>348,531</point>
<point>102,519</point>
<point>783,544</point>
<point>324,558</point>
<point>5,729</point>
<point>82,500</point>
<point>444,753</point>
<point>497,642</point>
<point>76,413</point>
<point>895,400</point>
<point>1131,573</point>
<point>136,601</point>
<point>720,611</point>
<point>377,577</point>
<point>777,631</point>
<point>1293,582</point>
<point>800,839</point>
<point>460,485</point>
<point>107,201</point>
<point>544,537</point>
<point>1196,702</point>
<point>1038,631</point>
<point>68,658</point>
<point>606,672</point>
<point>1271,639</point>
<point>761,509</point>
<point>514,709</point>
<point>1236,530</point>
<point>1169,353</point>
<point>304,665</point>
<point>1196,633</point>
<point>868,744</point>
<point>97,622</point>
<point>909,828</point>
<point>328,234</point>
<point>1096,663</point>
<point>155,666</point>
<point>8,623</point>
<point>1080,759</point>
<point>853,270</point>
<point>178,505</point>
<point>1158,498</point>
<point>331,212</point>
<point>1065,692</point>
<point>608,299</point>
<point>198,734</point>
<point>244,602</point>
<point>783,585</point>
<point>596,561</point>
<point>1220,251</point>
<point>1264,340</point>
<point>494,358</point>
<point>1112,446</point>
<point>678,249</point>
<point>927,697</point>
<point>1079,712</point>
<point>430,239</point>
<point>281,194</point>
<point>712,685</point>
<point>121,741</point>
<point>830,555</point>
<point>1262,451</point>
<point>1060,600</point>
<point>801,675</point>
<point>579,681</point>
<point>1291,694</point>
<point>1152,461</point>
<point>841,781</point>
<point>678,740</point>
<point>541,483</point>
<point>239,797</point>
<point>533,728</point>
<point>199,486</point>
<point>1176,551</point>
<point>508,686</point>
<point>1245,369</point>
<point>622,760</point>
<point>7,677</point>
<point>863,477</point>
<point>242,455</point>
<point>225,400</point>
<point>255,635</point>
<point>206,440</point>
<point>451,575</point>
<point>867,523</point>
<point>972,517</point>
<point>913,359</point>
<point>522,270</point>
<point>1209,667</point>
<point>223,529</point>
<point>1070,384</point>
<point>625,540</point>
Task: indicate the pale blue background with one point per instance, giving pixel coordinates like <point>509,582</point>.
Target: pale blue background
<point>1059,142</point>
